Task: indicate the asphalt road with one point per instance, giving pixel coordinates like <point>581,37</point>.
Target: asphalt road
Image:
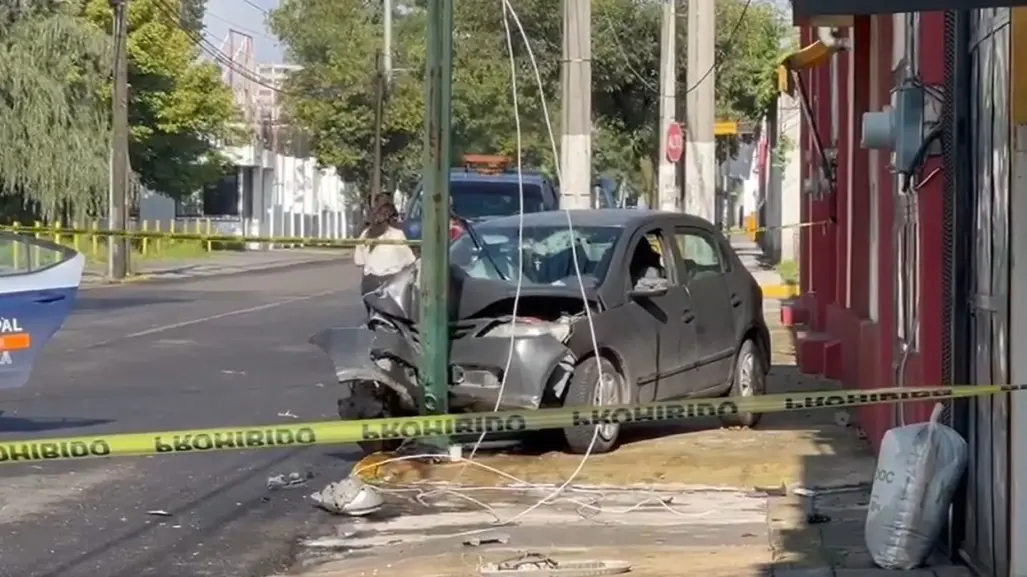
<point>220,351</point>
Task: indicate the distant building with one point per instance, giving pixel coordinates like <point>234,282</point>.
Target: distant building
<point>273,77</point>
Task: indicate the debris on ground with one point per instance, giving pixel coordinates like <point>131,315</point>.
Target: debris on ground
<point>350,496</point>
<point>287,415</point>
<point>290,481</point>
<point>500,538</point>
<point>541,565</point>
<point>158,513</point>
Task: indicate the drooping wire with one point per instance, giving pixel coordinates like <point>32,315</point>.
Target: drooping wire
<point>520,228</point>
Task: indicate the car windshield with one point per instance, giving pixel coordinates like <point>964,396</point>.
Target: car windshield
<point>545,250</point>
<point>474,199</point>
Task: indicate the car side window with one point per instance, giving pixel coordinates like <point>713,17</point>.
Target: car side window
<point>647,259</point>
<point>700,253</point>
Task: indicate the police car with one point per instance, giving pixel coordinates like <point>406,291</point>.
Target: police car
<point>39,281</point>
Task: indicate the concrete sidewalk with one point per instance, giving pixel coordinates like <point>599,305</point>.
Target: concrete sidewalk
<point>672,500</point>
<point>774,287</point>
<point>216,264</point>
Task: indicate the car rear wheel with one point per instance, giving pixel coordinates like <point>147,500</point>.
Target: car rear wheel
<point>587,389</point>
<point>748,379</point>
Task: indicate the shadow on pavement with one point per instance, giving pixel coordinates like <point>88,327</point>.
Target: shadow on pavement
<point>22,425</point>
<point>118,302</point>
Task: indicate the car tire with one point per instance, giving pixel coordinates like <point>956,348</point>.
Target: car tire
<point>584,390</point>
<point>748,379</point>
<point>366,401</point>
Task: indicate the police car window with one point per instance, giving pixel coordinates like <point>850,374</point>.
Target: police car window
<point>700,254</point>
<point>20,256</point>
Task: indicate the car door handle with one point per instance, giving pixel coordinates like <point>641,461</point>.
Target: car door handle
<point>735,301</point>
<point>687,316</point>
<point>47,299</point>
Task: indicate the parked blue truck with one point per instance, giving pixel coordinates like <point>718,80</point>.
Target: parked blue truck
<point>487,187</point>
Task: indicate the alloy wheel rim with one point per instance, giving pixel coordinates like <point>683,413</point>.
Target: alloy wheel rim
<point>747,378</point>
<point>607,393</point>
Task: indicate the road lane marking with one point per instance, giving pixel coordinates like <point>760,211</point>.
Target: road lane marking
<point>191,322</point>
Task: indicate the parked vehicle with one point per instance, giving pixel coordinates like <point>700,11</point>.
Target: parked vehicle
<point>487,187</point>
<point>675,314</point>
<point>39,280</point>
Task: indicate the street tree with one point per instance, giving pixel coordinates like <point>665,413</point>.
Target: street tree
<point>53,123</point>
<point>180,112</point>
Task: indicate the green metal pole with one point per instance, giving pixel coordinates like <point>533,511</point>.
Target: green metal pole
<point>434,366</point>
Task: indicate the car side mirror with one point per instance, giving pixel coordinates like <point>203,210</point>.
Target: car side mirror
<point>649,287</point>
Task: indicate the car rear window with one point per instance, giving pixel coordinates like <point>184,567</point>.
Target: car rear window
<point>479,199</point>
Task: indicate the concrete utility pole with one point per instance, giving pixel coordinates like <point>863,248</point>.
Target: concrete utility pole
<point>379,119</point>
<point>700,146</point>
<point>576,105</point>
<point>667,173</point>
<point>387,39</point>
<point>433,368</point>
<point>117,201</point>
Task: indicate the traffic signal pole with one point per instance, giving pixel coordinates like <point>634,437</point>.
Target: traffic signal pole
<point>434,362</point>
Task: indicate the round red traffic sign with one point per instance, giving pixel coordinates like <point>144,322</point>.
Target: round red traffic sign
<point>675,142</point>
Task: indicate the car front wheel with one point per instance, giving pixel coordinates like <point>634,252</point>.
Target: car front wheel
<point>587,389</point>
<point>748,379</point>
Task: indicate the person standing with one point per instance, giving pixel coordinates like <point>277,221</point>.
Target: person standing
<point>379,262</point>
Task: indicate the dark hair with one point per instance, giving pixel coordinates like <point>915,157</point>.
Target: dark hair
<point>383,216</point>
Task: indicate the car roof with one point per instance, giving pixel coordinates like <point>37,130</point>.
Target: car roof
<point>616,217</point>
<point>527,176</point>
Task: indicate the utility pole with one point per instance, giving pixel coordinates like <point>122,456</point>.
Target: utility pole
<point>379,119</point>
<point>576,105</point>
<point>667,172</point>
<point>700,146</point>
<point>387,39</point>
<point>433,368</point>
<point>117,201</point>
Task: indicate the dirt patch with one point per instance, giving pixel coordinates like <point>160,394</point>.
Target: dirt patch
<point>795,448</point>
<point>645,562</point>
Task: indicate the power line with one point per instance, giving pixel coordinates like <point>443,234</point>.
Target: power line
<point>719,61</point>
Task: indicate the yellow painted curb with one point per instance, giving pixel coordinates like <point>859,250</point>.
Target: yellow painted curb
<point>780,291</point>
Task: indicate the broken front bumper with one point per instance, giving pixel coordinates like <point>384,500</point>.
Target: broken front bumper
<point>539,366</point>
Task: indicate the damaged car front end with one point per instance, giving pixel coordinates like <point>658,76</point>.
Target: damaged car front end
<point>497,360</point>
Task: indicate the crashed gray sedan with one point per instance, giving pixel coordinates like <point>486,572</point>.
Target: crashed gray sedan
<point>662,309</point>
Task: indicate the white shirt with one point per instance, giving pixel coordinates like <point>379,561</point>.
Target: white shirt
<point>384,259</point>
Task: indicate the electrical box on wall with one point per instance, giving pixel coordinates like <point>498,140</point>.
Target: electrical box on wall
<point>899,129</point>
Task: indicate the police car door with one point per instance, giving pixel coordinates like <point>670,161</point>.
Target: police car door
<point>38,283</point>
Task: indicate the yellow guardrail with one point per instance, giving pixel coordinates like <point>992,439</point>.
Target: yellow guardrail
<point>149,241</point>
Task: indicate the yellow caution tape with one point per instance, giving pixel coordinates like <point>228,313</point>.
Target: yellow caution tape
<point>334,432</point>
<point>197,236</point>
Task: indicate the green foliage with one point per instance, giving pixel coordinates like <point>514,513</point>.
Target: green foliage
<point>53,127</point>
<point>55,90</point>
<point>334,95</point>
<point>179,110</point>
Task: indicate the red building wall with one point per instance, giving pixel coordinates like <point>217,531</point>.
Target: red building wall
<point>841,341</point>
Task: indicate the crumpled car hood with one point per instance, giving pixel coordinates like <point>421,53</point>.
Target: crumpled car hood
<point>400,297</point>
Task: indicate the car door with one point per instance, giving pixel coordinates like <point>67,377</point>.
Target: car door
<point>671,315</point>
<point>38,284</point>
<point>703,273</point>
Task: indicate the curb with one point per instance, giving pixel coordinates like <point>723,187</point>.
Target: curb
<point>780,291</point>
<point>156,277</point>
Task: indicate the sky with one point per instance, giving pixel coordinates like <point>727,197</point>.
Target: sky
<point>247,17</point>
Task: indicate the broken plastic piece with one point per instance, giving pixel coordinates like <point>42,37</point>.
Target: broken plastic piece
<point>288,482</point>
<point>158,513</point>
<point>543,566</point>
<point>350,496</point>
